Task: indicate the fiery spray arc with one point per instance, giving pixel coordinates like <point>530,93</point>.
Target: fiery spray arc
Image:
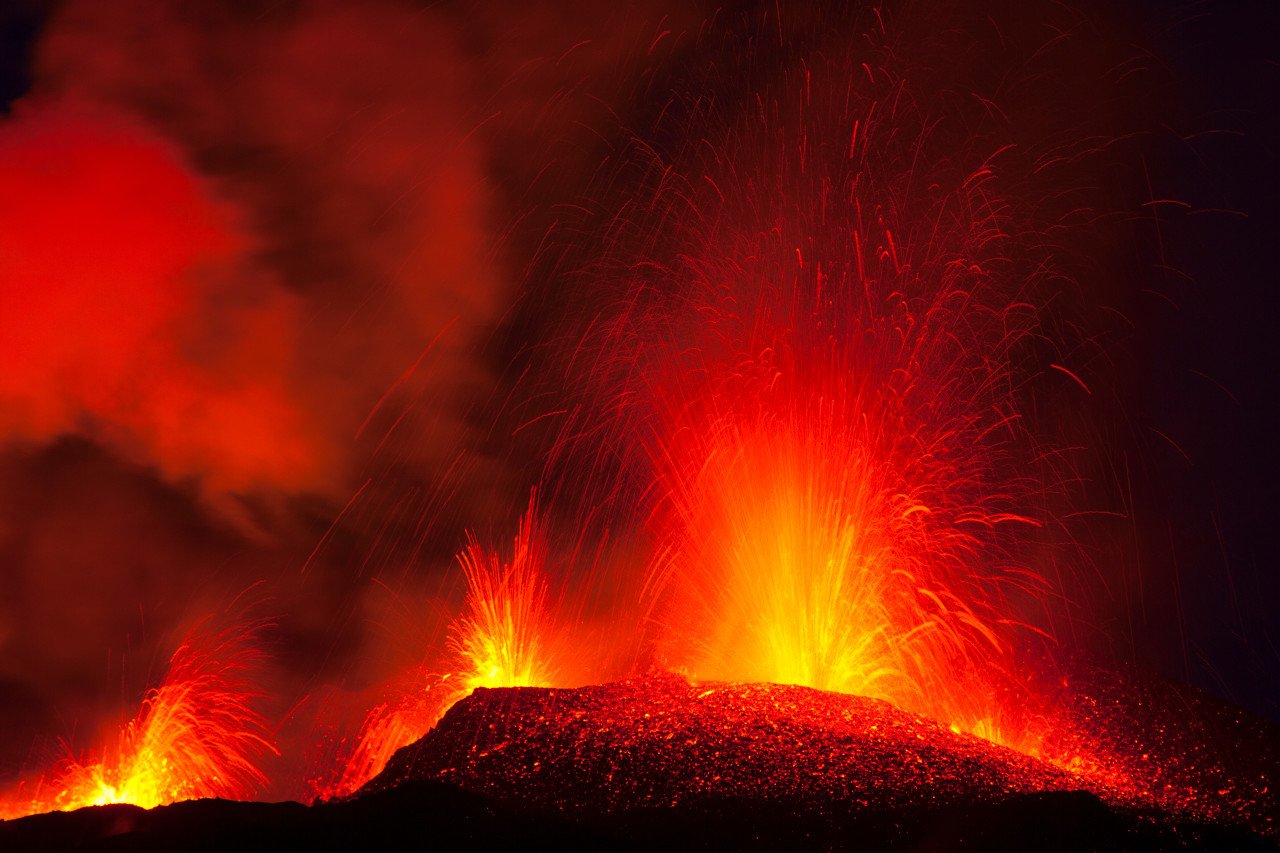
<point>197,735</point>
<point>823,533</point>
<point>502,638</point>
<point>825,325</point>
<point>824,322</point>
<point>831,406</point>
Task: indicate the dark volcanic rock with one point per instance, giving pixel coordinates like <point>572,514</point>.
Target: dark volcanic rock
<point>660,741</point>
<point>663,759</point>
<point>431,816</point>
<point>657,762</point>
<point>416,816</point>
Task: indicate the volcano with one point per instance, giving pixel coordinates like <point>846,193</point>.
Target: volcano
<point>659,760</point>
<point>732,424</point>
<point>661,742</point>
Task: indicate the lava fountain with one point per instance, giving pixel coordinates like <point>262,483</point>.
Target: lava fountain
<point>816,375</point>
<point>810,388</point>
<point>502,638</point>
<point>197,735</point>
<point>831,399</point>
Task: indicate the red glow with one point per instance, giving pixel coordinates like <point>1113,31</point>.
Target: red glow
<point>686,743</point>
<point>197,735</point>
<point>833,419</point>
<point>501,639</point>
<point>143,323</point>
<point>826,369</point>
<point>796,372</point>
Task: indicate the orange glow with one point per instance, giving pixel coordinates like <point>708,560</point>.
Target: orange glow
<point>809,564</point>
<point>197,735</point>
<point>807,558</point>
<point>834,429</point>
<point>836,517</point>
<point>387,728</point>
<point>501,639</point>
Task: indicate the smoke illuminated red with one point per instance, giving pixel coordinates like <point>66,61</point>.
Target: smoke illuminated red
<point>142,322</point>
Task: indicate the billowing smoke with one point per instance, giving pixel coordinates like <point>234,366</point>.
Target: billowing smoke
<point>251,269</point>
<point>138,316</point>
<point>339,142</point>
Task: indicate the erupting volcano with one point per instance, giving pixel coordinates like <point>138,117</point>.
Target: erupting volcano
<point>810,336</point>
<point>830,436</point>
<point>500,640</point>
<point>197,735</point>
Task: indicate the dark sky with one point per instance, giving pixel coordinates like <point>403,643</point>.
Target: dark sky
<point>358,187</point>
<point>1208,358</point>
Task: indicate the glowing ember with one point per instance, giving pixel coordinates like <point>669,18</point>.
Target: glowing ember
<point>825,349</point>
<point>796,378</point>
<point>196,736</point>
<point>660,741</point>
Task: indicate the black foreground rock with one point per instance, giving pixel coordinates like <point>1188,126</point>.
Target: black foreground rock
<point>434,816</point>
<point>656,763</point>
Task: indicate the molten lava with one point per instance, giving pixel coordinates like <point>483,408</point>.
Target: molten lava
<point>197,735</point>
<point>501,639</point>
<point>833,417</point>
<point>810,389</point>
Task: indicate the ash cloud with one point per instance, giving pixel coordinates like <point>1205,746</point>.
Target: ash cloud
<point>137,316</point>
<point>339,137</point>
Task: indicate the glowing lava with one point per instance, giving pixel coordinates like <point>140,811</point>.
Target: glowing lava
<point>833,412</point>
<point>501,639</point>
<point>659,741</point>
<point>197,735</point>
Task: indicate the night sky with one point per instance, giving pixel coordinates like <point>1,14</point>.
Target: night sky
<point>290,292</point>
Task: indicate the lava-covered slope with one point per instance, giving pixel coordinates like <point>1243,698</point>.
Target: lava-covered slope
<point>659,762</point>
<point>659,741</point>
<point>809,764</point>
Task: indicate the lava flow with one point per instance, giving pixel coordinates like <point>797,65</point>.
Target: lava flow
<point>197,735</point>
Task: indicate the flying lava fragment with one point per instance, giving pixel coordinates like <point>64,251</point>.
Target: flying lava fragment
<point>501,639</point>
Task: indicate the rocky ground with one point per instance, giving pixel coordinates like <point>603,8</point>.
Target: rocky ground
<point>659,762</point>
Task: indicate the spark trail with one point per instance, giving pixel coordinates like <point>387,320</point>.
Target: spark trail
<point>830,400</point>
